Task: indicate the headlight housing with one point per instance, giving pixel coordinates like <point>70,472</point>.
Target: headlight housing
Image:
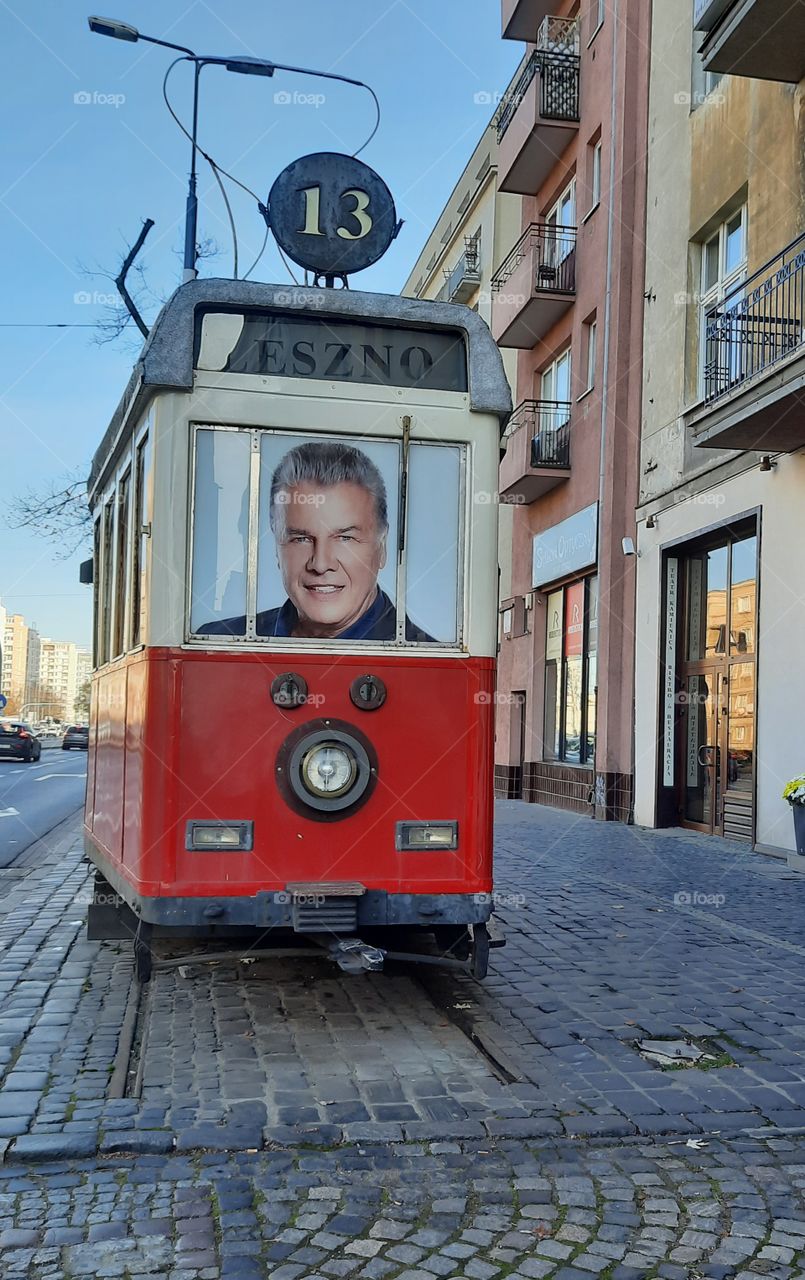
<point>329,769</point>
<point>325,768</point>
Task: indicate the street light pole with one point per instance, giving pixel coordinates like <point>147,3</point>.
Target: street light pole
<point>246,66</point>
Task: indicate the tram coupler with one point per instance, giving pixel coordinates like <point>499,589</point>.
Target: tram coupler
<point>353,955</point>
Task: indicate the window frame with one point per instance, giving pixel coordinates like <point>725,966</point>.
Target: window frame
<point>251,638</point>
<point>587,699</point>
<point>725,282</point>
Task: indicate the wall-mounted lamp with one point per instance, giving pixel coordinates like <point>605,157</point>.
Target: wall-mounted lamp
<point>766,462</point>
<point>629,547</point>
<point>651,522</point>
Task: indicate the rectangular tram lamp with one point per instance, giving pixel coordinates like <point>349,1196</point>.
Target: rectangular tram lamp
<point>427,835</point>
<point>219,835</point>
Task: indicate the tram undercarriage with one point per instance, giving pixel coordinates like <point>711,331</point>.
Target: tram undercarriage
<point>326,926</point>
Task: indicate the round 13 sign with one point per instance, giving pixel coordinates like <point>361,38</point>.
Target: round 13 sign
<point>331,213</point>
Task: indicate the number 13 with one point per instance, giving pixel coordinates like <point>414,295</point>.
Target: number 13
<point>360,213</point>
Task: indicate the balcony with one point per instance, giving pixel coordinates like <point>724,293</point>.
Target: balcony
<point>538,119</point>
<point>534,285</point>
<point>461,282</point>
<point>537,456</point>
<point>754,361</point>
<point>763,39</point>
<point>520,19</point>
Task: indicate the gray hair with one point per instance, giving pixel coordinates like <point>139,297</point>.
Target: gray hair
<point>327,464</point>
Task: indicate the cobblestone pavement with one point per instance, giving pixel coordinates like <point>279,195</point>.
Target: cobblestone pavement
<point>601,950</point>
<point>735,1208</point>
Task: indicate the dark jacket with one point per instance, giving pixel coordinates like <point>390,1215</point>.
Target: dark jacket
<point>379,622</point>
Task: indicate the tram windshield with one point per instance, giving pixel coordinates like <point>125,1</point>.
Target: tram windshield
<point>304,536</point>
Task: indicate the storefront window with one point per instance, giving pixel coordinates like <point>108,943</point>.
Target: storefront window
<point>570,673</point>
<point>743,597</point>
<point>553,670</point>
<point>741,730</point>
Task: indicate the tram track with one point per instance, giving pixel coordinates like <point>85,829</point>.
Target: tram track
<point>262,1023</point>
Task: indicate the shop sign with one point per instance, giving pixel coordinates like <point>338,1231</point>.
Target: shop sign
<point>574,620</point>
<point>566,547</point>
<point>553,647</point>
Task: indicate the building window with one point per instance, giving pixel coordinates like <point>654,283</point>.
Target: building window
<point>561,220</point>
<point>723,267</point>
<point>591,351</point>
<point>555,383</point>
<point>571,673</point>
<point>594,171</point>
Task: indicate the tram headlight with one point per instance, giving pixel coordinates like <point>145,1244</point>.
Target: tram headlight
<point>329,769</point>
<point>326,768</point>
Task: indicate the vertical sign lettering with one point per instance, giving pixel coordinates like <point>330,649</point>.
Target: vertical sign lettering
<point>671,593</point>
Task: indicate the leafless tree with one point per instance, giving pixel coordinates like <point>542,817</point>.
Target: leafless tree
<point>57,512</point>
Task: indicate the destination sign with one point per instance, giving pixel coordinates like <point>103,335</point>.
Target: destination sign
<point>336,350</point>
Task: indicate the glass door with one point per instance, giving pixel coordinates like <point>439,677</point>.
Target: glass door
<point>703,754</point>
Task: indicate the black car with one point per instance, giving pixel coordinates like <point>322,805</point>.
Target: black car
<point>77,735</point>
<point>18,741</point>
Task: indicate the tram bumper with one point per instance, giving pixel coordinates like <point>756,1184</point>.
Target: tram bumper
<point>312,911</point>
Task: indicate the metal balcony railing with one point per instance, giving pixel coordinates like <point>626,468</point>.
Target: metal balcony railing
<point>559,35</point>
<point>463,279</point>
<point>549,424</point>
<point>556,61</point>
<point>759,323</point>
<point>552,250</point>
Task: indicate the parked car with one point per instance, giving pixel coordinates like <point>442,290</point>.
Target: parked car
<point>76,735</point>
<point>18,741</point>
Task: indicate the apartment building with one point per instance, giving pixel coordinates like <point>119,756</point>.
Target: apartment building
<point>457,262</point>
<point>720,681</point>
<point>19,680</point>
<point>63,670</point>
<point>567,299</point>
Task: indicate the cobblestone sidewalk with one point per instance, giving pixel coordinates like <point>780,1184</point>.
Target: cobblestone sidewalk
<point>613,934</point>
<point>407,1212</point>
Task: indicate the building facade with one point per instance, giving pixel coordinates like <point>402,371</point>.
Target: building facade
<point>720,682</point>
<point>19,682</point>
<point>58,677</point>
<point>567,299</point>
<point>458,260</point>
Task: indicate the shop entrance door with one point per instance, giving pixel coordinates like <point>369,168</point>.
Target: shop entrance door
<point>715,737</point>
<point>702,740</point>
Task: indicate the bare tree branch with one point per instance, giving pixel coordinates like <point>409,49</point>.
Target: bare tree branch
<point>57,512</point>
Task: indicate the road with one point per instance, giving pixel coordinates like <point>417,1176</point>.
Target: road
<point>35,797</point>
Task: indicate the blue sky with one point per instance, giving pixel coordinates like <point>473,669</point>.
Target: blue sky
<point>79,176</point>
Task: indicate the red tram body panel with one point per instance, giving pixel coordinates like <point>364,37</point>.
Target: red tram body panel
<point>161,755</point>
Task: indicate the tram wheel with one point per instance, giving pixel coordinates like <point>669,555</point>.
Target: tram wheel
<point>143,958</point>
<point>453,940</point>
<point>479,966</point>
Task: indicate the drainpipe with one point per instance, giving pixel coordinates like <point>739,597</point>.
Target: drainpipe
<point>608,295</point>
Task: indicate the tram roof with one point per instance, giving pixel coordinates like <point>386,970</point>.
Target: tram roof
<point>166,360</point>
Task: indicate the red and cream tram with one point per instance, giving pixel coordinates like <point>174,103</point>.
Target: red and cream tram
<point>295,574</point>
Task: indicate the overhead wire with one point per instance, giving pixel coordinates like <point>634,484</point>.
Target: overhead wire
<point>218,170</point>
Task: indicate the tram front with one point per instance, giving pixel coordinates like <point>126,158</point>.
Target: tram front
<point>296,620</point>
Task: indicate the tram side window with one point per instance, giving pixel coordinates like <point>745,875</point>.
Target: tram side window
<point>121,564</point>
<point>433,541</point>
<point>220,532</point>
<point>142,470</point>
<point>96,593</point>
<point>107,576</point>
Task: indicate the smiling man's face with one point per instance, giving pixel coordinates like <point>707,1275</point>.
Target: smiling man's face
<point>330,550</point>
